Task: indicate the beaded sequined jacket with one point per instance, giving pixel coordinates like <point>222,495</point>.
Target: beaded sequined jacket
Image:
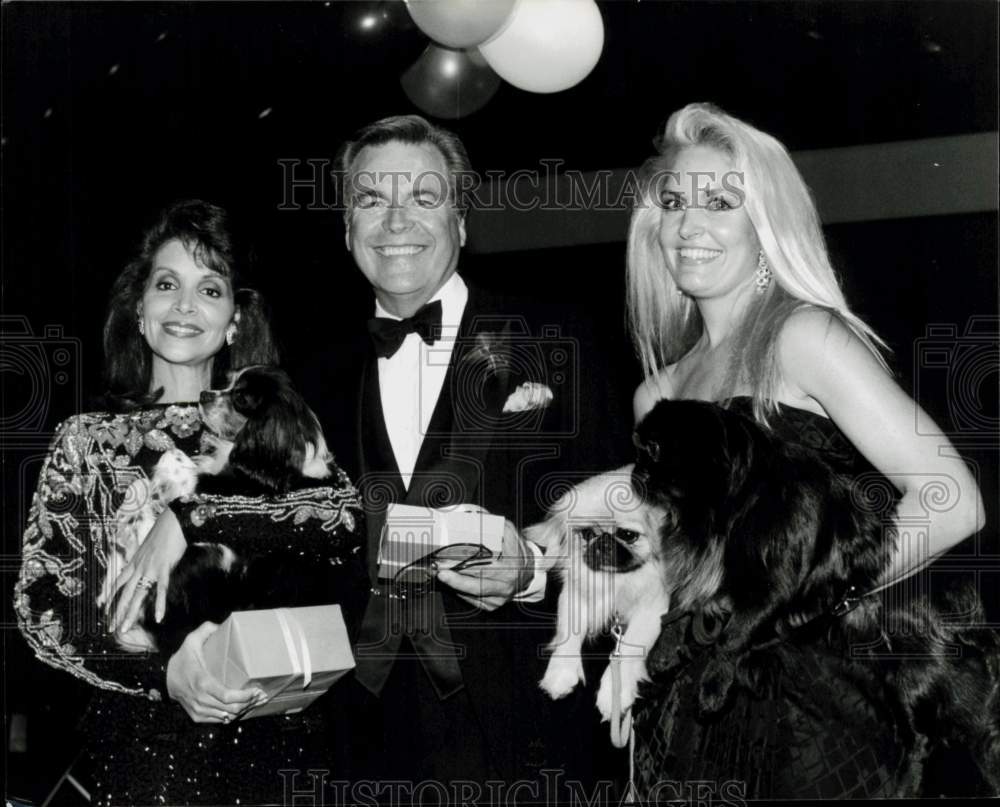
<point>96,463</point>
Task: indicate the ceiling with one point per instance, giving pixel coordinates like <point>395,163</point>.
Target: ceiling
<point>110,110</point>
<point>184,77</point>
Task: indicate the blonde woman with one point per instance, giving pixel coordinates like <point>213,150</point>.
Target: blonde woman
<point>732,299</point>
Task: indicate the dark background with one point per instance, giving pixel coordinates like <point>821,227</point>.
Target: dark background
<point>110,111</point>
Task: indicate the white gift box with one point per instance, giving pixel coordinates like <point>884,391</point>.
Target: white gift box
<point>293,654</point>
<point>412,533</point>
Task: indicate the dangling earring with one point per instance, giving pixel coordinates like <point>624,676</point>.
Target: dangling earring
<point>142,326</point>
<point>762,275</point>
<point>230,334</point>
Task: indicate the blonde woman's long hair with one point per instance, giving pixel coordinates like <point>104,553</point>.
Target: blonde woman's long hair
<point>666,324</point>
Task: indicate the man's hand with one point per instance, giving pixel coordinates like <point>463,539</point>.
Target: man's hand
<point>152,564</point>
<point>201,694</point>
<point>492,584</point>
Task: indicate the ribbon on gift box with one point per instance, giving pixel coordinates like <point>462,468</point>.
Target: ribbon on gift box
<point>301,661</point>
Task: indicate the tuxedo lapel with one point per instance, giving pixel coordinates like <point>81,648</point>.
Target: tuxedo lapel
<point>451,462</point>
<point>380,482</point>
<point>376,450</point>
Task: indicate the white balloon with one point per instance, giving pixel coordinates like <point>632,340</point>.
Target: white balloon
<point>460,23</point>
<point>547,45</point>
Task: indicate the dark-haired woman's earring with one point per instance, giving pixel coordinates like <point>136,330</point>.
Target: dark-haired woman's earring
<point>762,276</point>
<point>230,334</point>
<point>142,326</point>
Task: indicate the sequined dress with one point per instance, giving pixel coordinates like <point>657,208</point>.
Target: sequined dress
<point>811,730</point>
<point>143,747</point>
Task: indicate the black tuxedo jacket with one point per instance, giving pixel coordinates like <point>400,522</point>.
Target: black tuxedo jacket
<point>513,464</point>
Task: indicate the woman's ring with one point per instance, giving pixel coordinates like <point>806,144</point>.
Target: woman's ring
<point>145,582</point>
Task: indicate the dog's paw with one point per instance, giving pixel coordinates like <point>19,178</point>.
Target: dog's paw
<point>631,674</point>
<point>135,640</point>
<point>561,677</point>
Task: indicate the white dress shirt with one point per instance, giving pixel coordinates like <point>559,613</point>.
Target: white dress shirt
<point>410,383</point>
<point>410,380</point>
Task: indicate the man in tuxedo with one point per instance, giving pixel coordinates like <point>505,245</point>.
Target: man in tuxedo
<point>455,397</point>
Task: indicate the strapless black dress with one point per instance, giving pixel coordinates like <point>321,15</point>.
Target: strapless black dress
<point>810,731</point>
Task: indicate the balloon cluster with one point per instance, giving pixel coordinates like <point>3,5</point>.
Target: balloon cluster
<point>537,45</point>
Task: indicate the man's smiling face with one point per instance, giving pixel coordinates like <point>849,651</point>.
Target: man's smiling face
<point>402,228</point>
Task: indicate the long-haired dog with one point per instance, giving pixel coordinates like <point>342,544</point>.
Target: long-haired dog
<point>782,545</point>
<point>603,543</point>
<point>259,438</point>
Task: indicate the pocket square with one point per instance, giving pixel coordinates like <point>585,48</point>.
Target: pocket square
<point>530,395</point>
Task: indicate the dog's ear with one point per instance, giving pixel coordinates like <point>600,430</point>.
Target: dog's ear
<point>736,538</point>
<point>550,535</point>
<point>546,533</point>
<point>269,451</point>
<point>769,510</point>
<point>271,446</point>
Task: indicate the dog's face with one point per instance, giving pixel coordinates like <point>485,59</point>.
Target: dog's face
<point>603,522</point>
<point>603,542</point>
<point>220,412</point>
<point>276,437</point>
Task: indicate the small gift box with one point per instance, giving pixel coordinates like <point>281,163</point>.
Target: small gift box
<point>293,654</point>
<point>413,534</point>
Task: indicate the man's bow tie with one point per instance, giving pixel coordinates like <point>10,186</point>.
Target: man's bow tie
<point>388,334</point>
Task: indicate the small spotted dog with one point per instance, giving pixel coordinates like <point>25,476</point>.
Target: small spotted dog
<point>260,433</point>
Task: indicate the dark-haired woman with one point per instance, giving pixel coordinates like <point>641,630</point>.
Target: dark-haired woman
<point>177,322</point>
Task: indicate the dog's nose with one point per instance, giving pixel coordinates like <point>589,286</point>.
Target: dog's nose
<point>600,553</point>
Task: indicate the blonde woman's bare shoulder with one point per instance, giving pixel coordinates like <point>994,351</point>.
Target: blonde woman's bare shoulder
<point>652,389</point>
<point>818,353</point>
<point>811,322</point>
<point>812,334</point>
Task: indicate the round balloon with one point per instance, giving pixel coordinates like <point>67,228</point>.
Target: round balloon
<point>449,83</point>
<point>547,45</point>
<point>460,23</point>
